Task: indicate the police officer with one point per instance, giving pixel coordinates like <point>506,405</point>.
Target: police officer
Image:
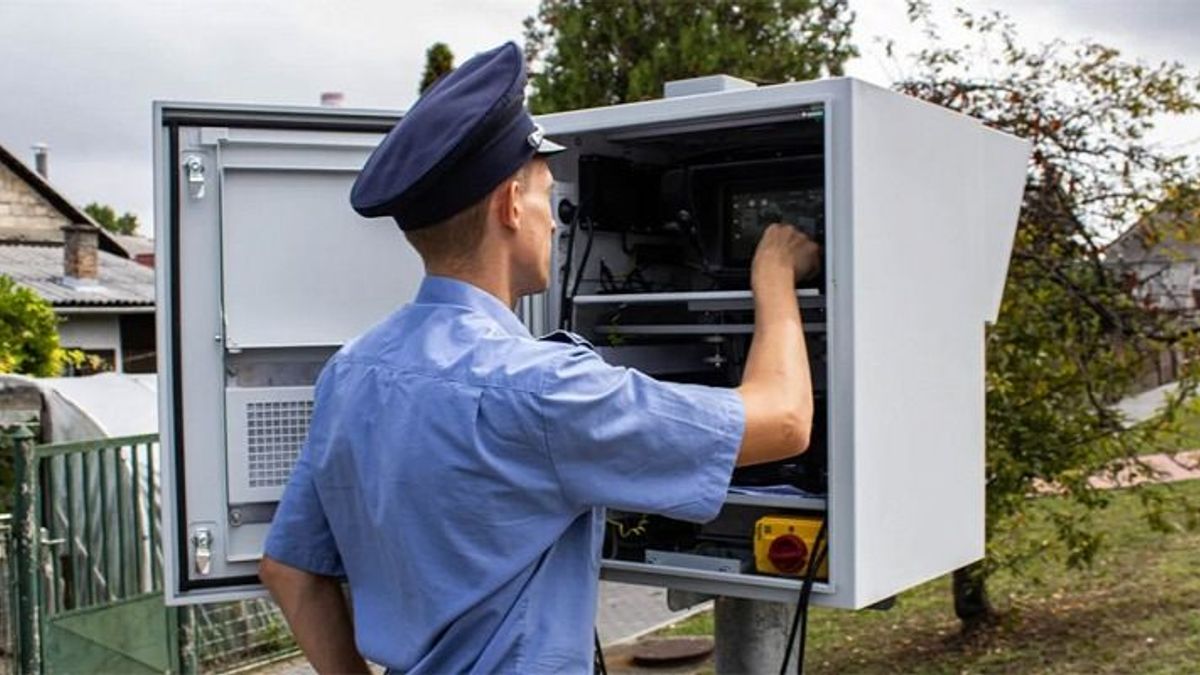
<point>457,469</point>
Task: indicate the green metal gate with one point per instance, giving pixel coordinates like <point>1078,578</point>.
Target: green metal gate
<point>81,559</point>
<point>135,635</point>
<point>88,567</point>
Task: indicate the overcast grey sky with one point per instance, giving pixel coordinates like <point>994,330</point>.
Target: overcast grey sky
<point>81,75</point>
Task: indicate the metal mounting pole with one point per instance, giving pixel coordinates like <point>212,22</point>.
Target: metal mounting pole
<point>750,635</point>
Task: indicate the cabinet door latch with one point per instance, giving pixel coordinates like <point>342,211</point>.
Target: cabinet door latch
<point>193,167</point>
<point>202,542</point>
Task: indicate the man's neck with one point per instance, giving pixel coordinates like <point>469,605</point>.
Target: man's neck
<point>490,278</point>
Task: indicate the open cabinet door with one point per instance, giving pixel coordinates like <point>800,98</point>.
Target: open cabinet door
<point>264,271</point>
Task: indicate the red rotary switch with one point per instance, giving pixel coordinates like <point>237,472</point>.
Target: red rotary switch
<point>788,553</point>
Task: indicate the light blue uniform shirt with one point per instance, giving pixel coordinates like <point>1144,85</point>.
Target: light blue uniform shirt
<point>456,472</point>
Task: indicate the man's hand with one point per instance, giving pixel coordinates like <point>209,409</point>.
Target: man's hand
<point>316,611</point>
<point>776,386</point>
<point>784,248</point>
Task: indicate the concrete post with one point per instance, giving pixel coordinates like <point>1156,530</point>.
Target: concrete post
<point>749,636</point>
<point>185,640</point>
<point>26,535</point>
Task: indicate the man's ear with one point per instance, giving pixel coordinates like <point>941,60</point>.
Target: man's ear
<point>507,202</point>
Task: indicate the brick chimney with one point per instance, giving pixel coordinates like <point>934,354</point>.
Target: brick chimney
<point>81,256</point>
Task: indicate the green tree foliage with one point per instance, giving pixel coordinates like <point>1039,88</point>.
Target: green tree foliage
<point>439,60</point>
<point>29,346</point>
<point>1077,328</point>
<point>590,53</point>
<point>106,217</point>
<point>28,333</point>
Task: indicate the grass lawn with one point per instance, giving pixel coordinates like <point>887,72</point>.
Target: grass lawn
<point>1136,610</point>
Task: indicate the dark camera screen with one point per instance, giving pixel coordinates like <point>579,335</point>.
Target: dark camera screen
<point>750,211</point>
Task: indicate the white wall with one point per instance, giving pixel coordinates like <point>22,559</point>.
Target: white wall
<point>96,331</point>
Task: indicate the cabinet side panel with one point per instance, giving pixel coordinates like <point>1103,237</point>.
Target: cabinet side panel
<point>917,287</point>
<point>1003,173</point>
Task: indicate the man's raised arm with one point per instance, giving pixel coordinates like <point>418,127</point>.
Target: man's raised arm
<point>776,385</point>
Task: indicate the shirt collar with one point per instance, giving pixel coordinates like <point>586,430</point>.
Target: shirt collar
<point>436,290</point>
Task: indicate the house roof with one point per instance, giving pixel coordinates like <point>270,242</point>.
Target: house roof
<point>135,245</point>
<point>69,210</point>
<point>122,281</point>
<point>1140,238</point>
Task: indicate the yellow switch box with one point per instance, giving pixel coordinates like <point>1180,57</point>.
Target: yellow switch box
<point>784,544</point>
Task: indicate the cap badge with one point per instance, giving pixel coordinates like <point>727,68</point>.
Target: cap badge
<point>535,136</point>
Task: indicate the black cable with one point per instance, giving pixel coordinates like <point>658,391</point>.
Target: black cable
<point>804,617</point>
<point>598,666</point>
<point>800,618</point>
<point>608,282</point>
<point>587,251</point>
<point>694,237</point>
<point>806,594</point>
<point>689,222</point>
<point>566,272</point>
<point>636,276</point>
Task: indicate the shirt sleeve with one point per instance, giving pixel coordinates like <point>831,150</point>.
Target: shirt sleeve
<point>300,534</point>
<point>619,438</point>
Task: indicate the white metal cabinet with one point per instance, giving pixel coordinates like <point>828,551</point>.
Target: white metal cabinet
<point>268,271</point>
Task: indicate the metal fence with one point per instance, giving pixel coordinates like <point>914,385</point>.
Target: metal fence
<point>235,635</point>
<point>102,517</point>
<point>99,544</point>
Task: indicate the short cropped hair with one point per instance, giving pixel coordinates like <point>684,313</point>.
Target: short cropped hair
<point>455,240</point>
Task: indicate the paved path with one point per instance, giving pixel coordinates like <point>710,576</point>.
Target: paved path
<point>625,612</point>
<point>1157,469</point>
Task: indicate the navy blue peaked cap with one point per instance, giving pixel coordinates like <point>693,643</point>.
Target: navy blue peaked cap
<point>464,136</point>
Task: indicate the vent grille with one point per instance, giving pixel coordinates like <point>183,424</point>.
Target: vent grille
<point>275,432</point>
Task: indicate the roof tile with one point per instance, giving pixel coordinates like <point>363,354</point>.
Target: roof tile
<point>40,268</point>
